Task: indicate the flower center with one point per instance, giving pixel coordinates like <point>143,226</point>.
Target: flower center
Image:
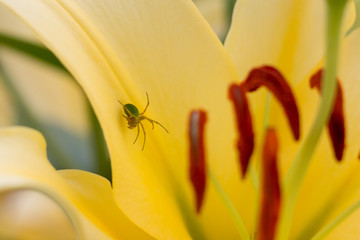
<point>276,83</point>
<point>273,80</point>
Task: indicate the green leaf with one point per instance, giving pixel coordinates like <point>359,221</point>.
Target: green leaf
<point>32,49</point>
<point>356,23</point>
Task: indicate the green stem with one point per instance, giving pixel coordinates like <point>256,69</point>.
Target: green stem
<point>253,173</point>
<point>255,182</point>
<point>63,161</point>
<point>240,227</point>
<point>302,160</point>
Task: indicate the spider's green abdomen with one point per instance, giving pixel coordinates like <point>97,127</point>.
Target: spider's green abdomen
<point>131,110</point>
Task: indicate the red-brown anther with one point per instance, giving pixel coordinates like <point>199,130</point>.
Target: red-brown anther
<point>245,143</point>
<point>272,79</point>
<point>336,123</point>
<point>270,202</point>
<point>197,155</point>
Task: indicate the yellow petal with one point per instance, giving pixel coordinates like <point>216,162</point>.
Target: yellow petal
<point>118,50</point>
<point>85,197</point>
<point>11,25</point>
<point>285,34</point>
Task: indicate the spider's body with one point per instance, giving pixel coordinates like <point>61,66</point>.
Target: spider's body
<point>132,115</point>
<point>134,118</point>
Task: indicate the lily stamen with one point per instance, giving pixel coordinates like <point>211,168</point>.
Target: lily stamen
<point>336,124</point>
<point>245,142</point>
<point>198,171</point>
<point>273,80</point>
<point>197,155</point>
<point>270,203</point>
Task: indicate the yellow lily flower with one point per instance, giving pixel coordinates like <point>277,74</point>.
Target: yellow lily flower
<point>119,50</point>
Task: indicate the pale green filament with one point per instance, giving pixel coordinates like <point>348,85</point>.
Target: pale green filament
<point>327,229</point>
<point>267,112</point>
<point>253,173</point>
<point>254,176</point>
<point>239,224</point>
<point>302,160</point>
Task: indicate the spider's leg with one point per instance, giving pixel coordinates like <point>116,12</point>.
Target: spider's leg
<point>120,103</point>
<point>142,126</point>
<point>148,103</point>
<point>153,121</point>
<point>137,135</point>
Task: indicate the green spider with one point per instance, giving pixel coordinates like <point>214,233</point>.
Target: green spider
<point>134,119</point>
